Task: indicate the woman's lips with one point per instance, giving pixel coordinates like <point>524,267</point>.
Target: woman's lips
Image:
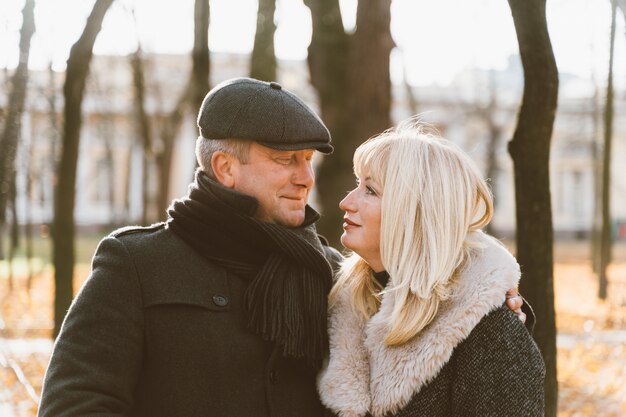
<point>347,223</point>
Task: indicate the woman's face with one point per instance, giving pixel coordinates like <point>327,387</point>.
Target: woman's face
<point>361,223</point>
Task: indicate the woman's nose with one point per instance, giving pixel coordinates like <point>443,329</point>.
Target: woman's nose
<point>347,203</point>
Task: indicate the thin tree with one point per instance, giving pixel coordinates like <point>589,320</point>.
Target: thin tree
<point>201,60</point>
<point>263,61</point>
<point>13,121</point>
<point>486,113</point>
<point>28,217</point>
<point>408,88</point>
<point>192,96</point>
<point>63,224</point>
<point>105,132</point>
<point>530,151</point>
<point>143,125</point>
<point>606,241</point>
<point>596,228</point>
<point>351,75</point>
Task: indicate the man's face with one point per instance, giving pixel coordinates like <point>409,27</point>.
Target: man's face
<point>279,180</point>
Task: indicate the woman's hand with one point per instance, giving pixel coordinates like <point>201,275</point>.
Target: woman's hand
<point>514,302</point>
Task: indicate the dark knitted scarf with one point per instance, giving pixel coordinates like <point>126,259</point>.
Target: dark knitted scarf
<point>286,300</point>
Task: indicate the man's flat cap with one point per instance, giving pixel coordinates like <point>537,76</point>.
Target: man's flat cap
<point>245,108</point>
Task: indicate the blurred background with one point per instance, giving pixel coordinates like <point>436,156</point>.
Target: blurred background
<point>98,101</point>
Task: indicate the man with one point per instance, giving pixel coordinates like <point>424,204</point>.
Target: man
<point>221,310</point>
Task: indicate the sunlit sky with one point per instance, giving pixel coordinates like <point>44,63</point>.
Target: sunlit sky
<point>438,38</point>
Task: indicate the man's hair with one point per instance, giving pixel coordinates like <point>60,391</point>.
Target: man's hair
<point>433,200</point>
<point>205,148</point>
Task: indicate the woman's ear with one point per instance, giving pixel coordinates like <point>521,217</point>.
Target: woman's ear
<point>222,165</point>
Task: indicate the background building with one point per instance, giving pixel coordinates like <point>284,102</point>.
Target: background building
<point>477,110</point>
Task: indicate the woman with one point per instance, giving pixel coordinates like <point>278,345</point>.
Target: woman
<point>417,323</point>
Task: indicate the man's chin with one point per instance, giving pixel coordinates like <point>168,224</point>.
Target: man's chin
<point>293,219</point>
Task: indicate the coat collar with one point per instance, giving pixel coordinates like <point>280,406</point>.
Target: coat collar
<point>362,374</point>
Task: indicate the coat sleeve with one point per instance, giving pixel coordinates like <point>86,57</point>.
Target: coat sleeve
<point>97,356</point>
<point>499,370</point>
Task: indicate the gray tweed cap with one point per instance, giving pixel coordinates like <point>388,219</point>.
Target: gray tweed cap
<point>245,108</point>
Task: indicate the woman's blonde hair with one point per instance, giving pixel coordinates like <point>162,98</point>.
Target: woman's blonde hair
<point>433,198</point>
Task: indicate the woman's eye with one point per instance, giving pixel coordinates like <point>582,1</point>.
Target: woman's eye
<point>370,190</point>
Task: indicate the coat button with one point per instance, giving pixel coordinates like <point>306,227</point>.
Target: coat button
<point>220,300</point>
<point>276,86</point>
<point>273,377</point>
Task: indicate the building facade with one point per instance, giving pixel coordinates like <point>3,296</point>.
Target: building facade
<point>477,111</point>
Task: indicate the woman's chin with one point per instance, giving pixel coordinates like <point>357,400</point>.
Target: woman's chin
<point>345,241</point>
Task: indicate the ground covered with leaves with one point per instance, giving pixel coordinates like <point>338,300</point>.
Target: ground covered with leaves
<point>591,336</point>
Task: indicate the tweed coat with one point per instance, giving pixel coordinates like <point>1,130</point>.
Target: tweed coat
<point>475,359</point>
<point>157,330</point>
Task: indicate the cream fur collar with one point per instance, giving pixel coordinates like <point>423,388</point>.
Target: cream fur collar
<point>362,374</point>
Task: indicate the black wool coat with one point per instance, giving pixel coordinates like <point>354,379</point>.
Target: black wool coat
<point>157,330</point>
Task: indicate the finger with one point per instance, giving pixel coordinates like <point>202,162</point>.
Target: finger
<point>512,292</point>
<point>521,316</point>
<point>515,303</point>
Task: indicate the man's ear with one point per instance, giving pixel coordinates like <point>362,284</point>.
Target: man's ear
<point>223,166</point>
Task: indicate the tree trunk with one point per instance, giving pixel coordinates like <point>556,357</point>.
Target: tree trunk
<point>370,81</point>
<point>142,124</point>
<point>492,163</point>
<point>410,94</point>
<point>530,150</point>
<point>28,220</point>
<point>328,60</point>
<point>193,94</point>
<point>200,55</point>
<point>495,132</point>
<point>596,228</point>
<point>606,240</point>
<point>163,160</point>
<point>351,76</point>
<point>13,121</point>
<point>63,226</point>
<point>14,232</point>
<point>263,61</point>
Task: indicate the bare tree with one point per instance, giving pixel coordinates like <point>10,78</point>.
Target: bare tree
<point>596,232</point>
<point>199,84</point>
<point>163,158</point>
<point>606,241</point>
<point>486,113</point>
<point>530,151</point>
<point>63,225</point>
<point>408,88</point>
<point>192,96</point>
<point>105,133</point>
<point>351,75</point>
<point>263,61</point>
<point>13,121</point>
<point>143,125</point>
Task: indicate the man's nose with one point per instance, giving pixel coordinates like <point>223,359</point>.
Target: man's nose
<point>304,174</point>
